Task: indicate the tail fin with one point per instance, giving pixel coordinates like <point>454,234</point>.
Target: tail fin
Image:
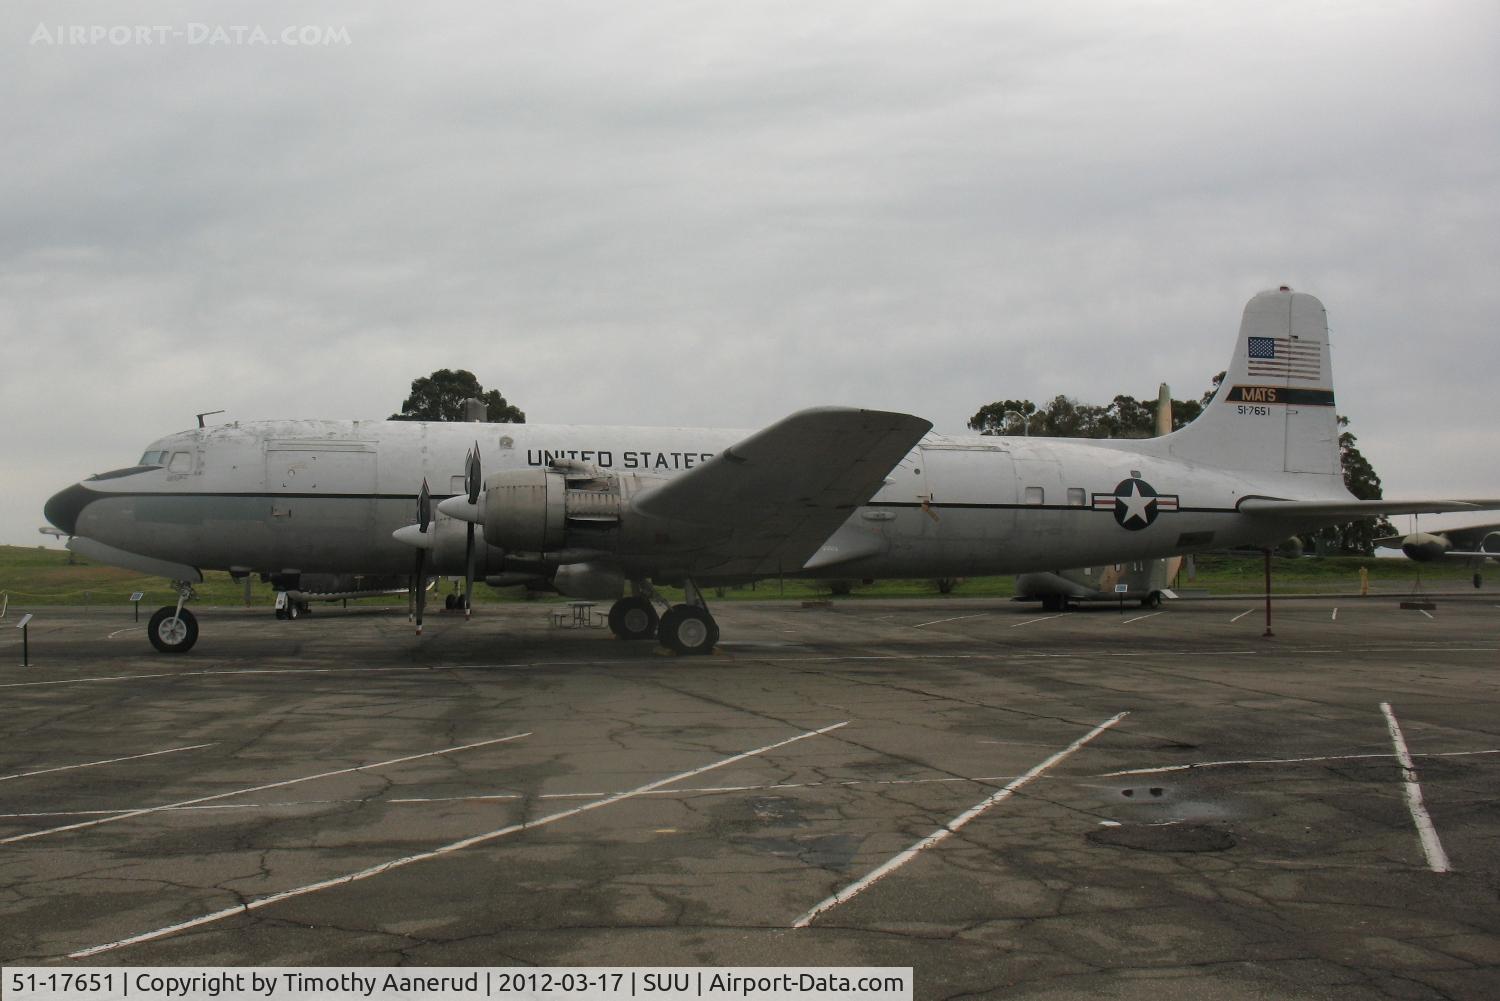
<point>1274,410</point>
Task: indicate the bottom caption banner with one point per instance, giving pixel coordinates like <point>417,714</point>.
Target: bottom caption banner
<point>457,983</point>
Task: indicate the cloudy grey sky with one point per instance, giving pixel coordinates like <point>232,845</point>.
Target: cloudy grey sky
<point>689,213</point>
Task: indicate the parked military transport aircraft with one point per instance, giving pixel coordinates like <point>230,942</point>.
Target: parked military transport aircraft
<point>1472,544</point>
<point>1144,581</point>
<point>826,492</point>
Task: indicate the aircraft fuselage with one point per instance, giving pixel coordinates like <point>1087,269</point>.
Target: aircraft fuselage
<point>325,496</point>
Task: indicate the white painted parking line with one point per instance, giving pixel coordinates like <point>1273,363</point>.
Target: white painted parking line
<point>487,797</point>
<point>1139,618</point>
<point>1242,615</point>
<point>1281,761</point>
<point>949,829</point>
<point>1044,618</point>
<point>215,674</point>
<point>106,761</point>
<point>1432,848</point>
<point>955,618</point>
<point>260,788</point>
<point>127,629</point>
<point>1425,612</point>
<point>1335,616</point>
<point>447,849</point>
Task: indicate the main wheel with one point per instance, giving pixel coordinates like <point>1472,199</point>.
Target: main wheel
<point>1478,580</point>
<point>687,629</point>
<point>1152,600</point>
<point>633,619</point>
<point>172,631</point>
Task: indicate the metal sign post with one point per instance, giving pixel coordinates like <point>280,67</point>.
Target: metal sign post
<point>25,640</point>
<point>135,599</point>
<point>1120,589</point>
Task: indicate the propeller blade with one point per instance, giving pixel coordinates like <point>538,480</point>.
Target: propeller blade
<point>472,476</point>
<point>419,581</point>
<point>469,575</point>
<point>424,507</point>
<point>472,473</point>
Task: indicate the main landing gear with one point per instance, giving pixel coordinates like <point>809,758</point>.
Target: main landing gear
<point>687,629</point>
<point>174,630</point>
<point>286,608</point>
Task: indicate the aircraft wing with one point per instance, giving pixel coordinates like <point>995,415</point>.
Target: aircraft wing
<point>780,493</point>
<point>1276,508</point>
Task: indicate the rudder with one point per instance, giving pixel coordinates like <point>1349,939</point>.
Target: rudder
<point>1274,411</point>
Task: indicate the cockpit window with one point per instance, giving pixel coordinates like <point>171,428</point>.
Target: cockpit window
<point>182,462</point>
<point>153,459</point>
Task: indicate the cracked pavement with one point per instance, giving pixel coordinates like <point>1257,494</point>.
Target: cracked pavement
<point>1219,867</point>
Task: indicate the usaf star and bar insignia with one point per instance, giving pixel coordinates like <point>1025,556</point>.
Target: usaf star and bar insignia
<point>1135,504</point>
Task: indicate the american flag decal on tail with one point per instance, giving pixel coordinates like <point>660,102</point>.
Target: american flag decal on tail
<point>1285,356</point>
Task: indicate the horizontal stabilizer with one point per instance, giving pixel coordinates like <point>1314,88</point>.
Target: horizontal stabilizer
<point>1271,507</point>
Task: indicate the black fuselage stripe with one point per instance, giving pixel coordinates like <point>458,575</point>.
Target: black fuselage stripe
<point>909,505</point>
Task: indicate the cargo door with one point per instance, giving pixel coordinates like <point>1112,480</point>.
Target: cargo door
<point>322,504</point>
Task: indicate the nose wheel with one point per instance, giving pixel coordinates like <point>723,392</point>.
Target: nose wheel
<point>173,630</point>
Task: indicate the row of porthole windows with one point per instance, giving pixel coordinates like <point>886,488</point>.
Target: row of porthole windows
<point>1038,495</point>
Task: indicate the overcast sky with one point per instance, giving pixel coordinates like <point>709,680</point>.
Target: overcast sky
<point>690,213</point>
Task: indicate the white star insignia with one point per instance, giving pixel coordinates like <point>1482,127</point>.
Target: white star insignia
<point>1136,505</point>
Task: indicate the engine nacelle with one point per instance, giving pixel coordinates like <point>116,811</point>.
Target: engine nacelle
<point>1491,544</point>
<point>543,510</point>
<point>1424,547</point>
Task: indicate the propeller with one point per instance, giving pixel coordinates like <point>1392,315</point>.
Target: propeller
<point>424,520</point>
<point>471,488</point>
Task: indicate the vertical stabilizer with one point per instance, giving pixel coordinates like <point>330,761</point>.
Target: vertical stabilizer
<point>1274,412</point>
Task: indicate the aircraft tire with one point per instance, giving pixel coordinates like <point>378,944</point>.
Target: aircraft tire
<point>281,613</point>
<point>1478,581</point>
<point>1152,600</point>
<point>688,630</point>
<point>1054,603</point>
<point>633,619</point>
<point>171,632</point>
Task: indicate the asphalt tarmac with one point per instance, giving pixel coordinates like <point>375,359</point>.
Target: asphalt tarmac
<point>1095,804</point>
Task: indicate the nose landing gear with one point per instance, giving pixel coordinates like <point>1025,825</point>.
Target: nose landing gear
<point>174,630</point>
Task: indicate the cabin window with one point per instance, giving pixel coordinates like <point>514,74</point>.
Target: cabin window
<point>153,459</point>
<point>182,462</point>
<point>1075,497</point>
<point>1036,495</point>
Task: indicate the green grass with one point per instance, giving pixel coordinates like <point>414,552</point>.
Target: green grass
<point>45,576</point>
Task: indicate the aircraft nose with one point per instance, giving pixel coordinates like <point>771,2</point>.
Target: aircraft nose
<point>64,507</point>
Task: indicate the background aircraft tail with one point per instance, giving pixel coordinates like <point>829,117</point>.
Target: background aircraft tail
<point>1274,411</point>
